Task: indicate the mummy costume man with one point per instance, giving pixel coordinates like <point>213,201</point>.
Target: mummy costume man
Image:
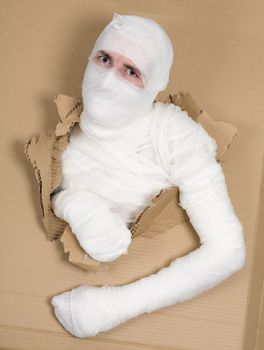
<point>125,149</point>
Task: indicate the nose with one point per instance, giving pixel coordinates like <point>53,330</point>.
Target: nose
<point>108,79</point>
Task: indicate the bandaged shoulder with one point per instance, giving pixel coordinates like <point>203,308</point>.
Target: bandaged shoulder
<point>191,148</point>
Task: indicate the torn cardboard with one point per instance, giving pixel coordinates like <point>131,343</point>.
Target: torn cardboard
<point>44,151</point>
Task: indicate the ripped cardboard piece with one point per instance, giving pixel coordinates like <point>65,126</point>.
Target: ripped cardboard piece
<point>44,153</point>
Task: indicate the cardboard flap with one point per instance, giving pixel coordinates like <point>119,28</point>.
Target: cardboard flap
<point>69,109</point>
<point>43,152</point>
<point>37,150</point>
<point>221,131</point>
<point>186,102</point>
<point>163,214</point>
<point>77,255</point>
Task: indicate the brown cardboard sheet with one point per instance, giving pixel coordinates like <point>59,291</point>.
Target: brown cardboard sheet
<point>219,55</point>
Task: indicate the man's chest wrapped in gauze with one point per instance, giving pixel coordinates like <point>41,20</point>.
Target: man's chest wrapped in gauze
<point>126,172</point>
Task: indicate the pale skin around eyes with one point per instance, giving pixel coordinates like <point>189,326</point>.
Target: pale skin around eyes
<point>121,64</point>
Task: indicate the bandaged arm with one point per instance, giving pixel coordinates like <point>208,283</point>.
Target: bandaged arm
<point>204,196</point>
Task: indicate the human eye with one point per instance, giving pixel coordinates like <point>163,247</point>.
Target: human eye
<point>104,58</point>
<point>133,72</point>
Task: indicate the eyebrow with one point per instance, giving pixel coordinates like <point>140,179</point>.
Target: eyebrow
<point>126,65</point>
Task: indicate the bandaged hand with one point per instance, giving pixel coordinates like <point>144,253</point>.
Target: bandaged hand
<point>101,232</point>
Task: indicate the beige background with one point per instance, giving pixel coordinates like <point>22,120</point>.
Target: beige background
<point>219,55</point>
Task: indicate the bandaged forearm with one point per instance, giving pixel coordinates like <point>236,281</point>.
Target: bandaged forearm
<point>101,232</point>
<point>204,196</point>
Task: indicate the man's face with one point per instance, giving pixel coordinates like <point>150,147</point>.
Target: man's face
<point>121,64</point>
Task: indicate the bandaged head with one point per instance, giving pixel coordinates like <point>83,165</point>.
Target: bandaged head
<point>109,100</point>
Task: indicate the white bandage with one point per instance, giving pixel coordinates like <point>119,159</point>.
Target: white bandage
<point>186,152</point>
<point>101,232</point>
